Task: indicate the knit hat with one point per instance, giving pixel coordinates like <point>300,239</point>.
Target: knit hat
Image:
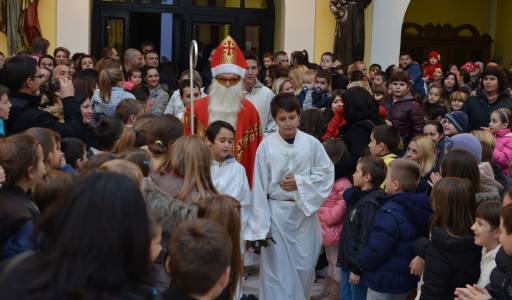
<point>459,119</point>
<point>468,142</point>
<point>228,58</point>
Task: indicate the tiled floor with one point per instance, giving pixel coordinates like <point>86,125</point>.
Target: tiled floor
<point>251,284</point>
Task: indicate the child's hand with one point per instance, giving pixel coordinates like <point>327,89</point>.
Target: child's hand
<point>354,279</point>
<point>434,177</point>
<point>472,293</point>
<point>288,184</point>
<point>417,266</point>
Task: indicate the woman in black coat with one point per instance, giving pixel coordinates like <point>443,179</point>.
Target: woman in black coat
<point>361,113</point>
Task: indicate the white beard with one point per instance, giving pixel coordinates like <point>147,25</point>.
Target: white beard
<point>225,102</point>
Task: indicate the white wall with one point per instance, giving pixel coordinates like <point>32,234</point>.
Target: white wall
<point>387,31</point>
<point>298,25</point>
<point>74,25</point>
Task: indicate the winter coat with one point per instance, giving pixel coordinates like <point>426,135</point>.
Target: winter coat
<point>102,109</point>
<point>356,136</point>
<point>316,99</point>
<point>25,113</point>
<point>416,76</point>
<point>333,127</point>
<point>489,188</point>
<point>168,210</point>
<point>450,262</point>
<point>407,116</point>
<point>400,222</point>
<point>502,154</point>
<point>501,277</point>
<point>160,100</point>
<point>17,215</point>
<point>332,212</point>
<point>479,109</point>
<point>361,211</point>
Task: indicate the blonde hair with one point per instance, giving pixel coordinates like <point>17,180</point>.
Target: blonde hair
<point>108,79</point>
<point>278,84</point>
<point>124,167</point>
<point>488,142</point>
<point>426,153</point>
<point>190,158</point>
<point>457,95</point>
<point>296,74</point>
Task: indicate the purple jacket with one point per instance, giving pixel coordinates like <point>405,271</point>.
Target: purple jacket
<point>502,154</point>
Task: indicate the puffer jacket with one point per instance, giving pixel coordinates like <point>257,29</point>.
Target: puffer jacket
<point>450,262</point>
<point>332,212</point>
<point>401,221</point>
<point>502,154</point>
<point>479,109</point>
<point>407,116</point>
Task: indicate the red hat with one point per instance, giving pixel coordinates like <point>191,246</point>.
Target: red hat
<point>434,54</point>
<point>228,58</point>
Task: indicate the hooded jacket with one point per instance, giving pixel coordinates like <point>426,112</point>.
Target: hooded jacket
<point>450,262</point>
<point>401,220</point>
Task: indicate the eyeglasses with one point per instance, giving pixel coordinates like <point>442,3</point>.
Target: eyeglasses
<point>227,82</point>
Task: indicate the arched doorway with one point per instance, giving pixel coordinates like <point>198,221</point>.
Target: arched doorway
<point>171,24</point>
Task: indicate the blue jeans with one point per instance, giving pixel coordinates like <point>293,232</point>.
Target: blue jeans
<point>351,291</point>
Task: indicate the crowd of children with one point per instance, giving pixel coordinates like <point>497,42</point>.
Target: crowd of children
<point>398,178</point>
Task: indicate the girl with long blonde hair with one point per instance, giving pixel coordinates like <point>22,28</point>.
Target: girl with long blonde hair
<point>423,152</point>
<point>185,171</point>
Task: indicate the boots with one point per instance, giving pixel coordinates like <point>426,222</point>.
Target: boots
<point>333,289</point>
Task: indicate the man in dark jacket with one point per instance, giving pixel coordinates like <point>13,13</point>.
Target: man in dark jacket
<point>408,65</point>
<point>363,204</point>
<point>22,75</point>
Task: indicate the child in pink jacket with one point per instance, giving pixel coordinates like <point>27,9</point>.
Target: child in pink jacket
<point>331,215</point>
<point>500,126</point>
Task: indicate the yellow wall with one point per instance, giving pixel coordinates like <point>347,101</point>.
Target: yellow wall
<point>455,12</point>
<point>325,26</point>
<point>47,11</point>
<point>503,41</point>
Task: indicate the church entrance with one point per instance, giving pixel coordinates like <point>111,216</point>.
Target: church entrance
<point>171,25</point>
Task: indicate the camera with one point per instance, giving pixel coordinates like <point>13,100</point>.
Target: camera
<point>53,85</point>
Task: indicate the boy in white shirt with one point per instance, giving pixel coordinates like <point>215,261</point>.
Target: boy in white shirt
<point>292,177</point>
<point>227,173</point>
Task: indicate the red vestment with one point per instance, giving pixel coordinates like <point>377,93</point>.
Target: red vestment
<point>248,131</point>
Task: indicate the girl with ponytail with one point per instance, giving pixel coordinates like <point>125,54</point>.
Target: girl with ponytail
<point>110,93</point>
